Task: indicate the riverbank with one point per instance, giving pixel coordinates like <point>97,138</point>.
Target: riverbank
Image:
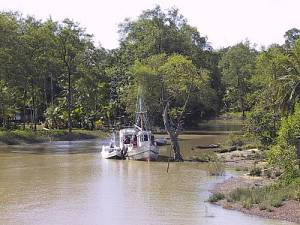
<point>258,190</point>
<point>18,137</point>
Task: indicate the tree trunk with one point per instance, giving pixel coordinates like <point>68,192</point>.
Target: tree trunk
<point>176,148</point>
<point>3,121</point>
<point>173,136</point>
<point>51,83</point>
<point>24,109</point>
<point>33,111</point>
<point>45,92</point>
<point>243,107</point>
<point>69,103</point>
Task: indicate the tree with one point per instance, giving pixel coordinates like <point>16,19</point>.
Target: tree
<point>237,66</point>
<point>264,118</point>
<point>288,88</point>
<point>9,32</point>
<point>170,83</point>
<point>71,41</point>
<point>158,31</point>
<point>92,93</point>
<point>283,153</point>
<point>291,36</point>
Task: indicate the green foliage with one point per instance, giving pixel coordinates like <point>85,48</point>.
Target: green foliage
<point>36,61</point>
<point>255,171</point>
<point>283,153</point>
<point>18,136</point>
<point>161,78</point>
<point>205,156</point>
<point>237,66</point>
<point>216,197</point>
<point>263,125</point>
<point>291,36</point>
<point>266,197</point>
<point>160,40</point>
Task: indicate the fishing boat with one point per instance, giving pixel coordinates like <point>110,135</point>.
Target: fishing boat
<point>143,146</point>
<point>135,142</point>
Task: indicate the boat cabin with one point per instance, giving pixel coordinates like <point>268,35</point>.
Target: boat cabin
<point>144,138</point>
<point>133,137</point>
<point>126,136</point>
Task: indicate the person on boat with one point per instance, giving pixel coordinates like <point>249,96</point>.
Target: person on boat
<point>152,140</point>
<point>126,140</point>
<point>124,152</point>
<point>134,141</point>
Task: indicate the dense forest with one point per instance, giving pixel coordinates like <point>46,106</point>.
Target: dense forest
<point>52,73</point>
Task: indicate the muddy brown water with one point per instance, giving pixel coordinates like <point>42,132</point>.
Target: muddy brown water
<point>69,183</point>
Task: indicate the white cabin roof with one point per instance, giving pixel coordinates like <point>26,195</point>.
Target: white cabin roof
<point>127,131</point>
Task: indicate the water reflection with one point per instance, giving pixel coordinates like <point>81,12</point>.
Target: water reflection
<point>85,189</point>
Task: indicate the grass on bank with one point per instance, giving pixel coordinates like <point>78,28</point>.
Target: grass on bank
<point>265,198</point>
<point>15,137</point>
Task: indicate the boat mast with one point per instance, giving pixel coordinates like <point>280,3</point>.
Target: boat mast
<point>141,119</point>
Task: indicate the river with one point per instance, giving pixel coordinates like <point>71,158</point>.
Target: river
<point>68,183</point>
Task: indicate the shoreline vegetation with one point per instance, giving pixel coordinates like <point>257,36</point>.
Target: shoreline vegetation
<point>19,137</point>
<point>259,189</point>
<point>259,197</point>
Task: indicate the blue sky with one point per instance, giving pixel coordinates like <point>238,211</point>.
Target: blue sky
<point>224,22</point>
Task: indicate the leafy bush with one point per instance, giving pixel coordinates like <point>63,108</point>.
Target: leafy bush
<point>263,124</point>
<point>283,154</point>
<point>216,197</point>
<point>208,156</point>
<point>255,171</point>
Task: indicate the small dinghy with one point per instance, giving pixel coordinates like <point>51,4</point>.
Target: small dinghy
<point>112,151</point>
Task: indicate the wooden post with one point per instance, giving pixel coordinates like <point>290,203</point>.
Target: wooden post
<point>298,149</point>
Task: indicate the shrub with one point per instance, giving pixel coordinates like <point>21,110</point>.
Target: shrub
<point>276,202</point>
<point>255,171</point>
<point>207,156</point>
<point>216,169</point>
<point>239,194</point>
<point>247,204</point>
<point>216,197</point>
<point>263,206</point>
<point>262,124</point>
<point>283,154</point>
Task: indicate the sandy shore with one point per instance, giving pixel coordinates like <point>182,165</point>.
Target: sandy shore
<point>289,211</point>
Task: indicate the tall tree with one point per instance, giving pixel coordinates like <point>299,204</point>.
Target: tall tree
<point>288,87</point>
<point>237,66</point>
<point>71,45</point>
<point>170,84</point>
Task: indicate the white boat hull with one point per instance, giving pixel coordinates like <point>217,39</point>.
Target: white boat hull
<point>111,153</point>
<point>144,154</point>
